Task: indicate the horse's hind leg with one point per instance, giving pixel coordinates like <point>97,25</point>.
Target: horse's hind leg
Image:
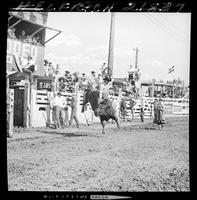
<point>117,122</point>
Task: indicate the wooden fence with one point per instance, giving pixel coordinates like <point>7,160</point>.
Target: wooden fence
<point>41,112</point>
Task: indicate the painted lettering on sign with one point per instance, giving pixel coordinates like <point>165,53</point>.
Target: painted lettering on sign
<point>20,48</point>
<point>24,49</point>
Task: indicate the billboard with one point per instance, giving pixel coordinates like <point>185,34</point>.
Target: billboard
<point>24,49</point>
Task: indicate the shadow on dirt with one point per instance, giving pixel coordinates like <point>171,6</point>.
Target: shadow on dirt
<point>147,126</point>
<point>70,134</point>
<point>65,134</point>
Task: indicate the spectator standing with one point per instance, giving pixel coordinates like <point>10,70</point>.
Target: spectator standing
<point>73,105</point>
<point>155,106</point>
<point>142,109</point>
<point>92,80</point>
<point>46,70</point>
<point>50,69</point>
<point>83,82</point>
<point>161,117</point>
<point>68,76</point>
<point>84,78</point>
<point>131,105</point>
<point>123,108</point>
<point>65,109</point>
<point>59,106</point>
<point>99,80</point>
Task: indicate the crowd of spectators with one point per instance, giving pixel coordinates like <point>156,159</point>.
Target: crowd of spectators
<point>166,91</point>
<point>90,81</point>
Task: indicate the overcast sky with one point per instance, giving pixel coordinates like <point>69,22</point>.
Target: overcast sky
<point>163,40</point>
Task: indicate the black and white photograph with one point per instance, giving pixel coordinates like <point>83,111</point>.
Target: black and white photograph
<point>98,101</point>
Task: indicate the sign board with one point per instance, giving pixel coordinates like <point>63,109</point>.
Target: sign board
<point>16,46</point>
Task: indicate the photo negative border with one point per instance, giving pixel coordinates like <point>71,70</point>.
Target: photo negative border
<point>92,6</point>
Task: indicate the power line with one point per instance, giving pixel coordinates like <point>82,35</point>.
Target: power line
<point>169,28</point>
<point>170,23</point>
<point>158,24</point>
<point>166,29</point>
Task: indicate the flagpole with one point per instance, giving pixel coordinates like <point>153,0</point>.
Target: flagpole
<point>171,70</point>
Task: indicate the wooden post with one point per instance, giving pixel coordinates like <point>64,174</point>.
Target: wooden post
<point>10,108</point>
<point>48,109</point>
<point>31,103</point>
<point>25,110</point>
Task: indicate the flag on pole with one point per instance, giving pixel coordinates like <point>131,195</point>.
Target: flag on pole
<point>171,69</point>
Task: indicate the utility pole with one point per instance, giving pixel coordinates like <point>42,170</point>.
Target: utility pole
<point>136,57</point>
<point>111,46</point>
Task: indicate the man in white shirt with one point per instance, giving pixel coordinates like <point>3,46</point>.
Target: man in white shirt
<point>59,105</point>
<point>92,81</point>
<point>104,89</point>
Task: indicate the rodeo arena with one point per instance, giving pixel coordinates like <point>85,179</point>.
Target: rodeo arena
<point>89,132</point>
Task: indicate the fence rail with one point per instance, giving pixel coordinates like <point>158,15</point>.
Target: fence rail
<point>42,112</point>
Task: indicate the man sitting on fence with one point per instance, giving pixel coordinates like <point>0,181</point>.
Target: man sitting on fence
<point>25,64</point>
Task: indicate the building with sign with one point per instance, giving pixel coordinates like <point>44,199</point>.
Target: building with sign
<point>26,39</point>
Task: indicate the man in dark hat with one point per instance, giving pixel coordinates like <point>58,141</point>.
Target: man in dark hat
<point>68,76</point>
<point>107,79</point>
<point>93,72</point>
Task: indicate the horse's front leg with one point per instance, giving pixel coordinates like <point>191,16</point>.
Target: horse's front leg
<point>103,125</point>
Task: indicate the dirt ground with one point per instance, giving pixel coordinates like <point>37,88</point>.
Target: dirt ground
<point>139,157</point>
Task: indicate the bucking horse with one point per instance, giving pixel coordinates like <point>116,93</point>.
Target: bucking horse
<point>105,109</point>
